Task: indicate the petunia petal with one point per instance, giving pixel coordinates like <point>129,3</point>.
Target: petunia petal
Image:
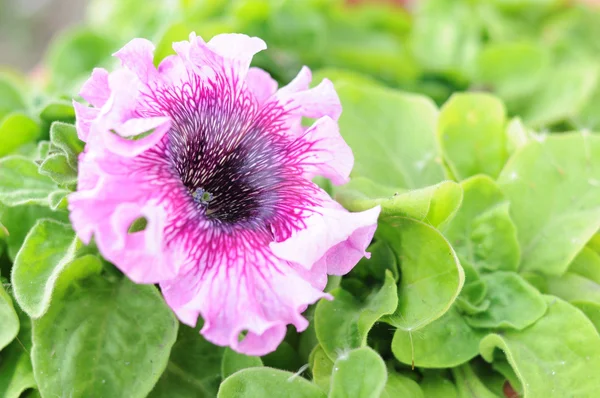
<point>95,90</point>
<point>261,84</point>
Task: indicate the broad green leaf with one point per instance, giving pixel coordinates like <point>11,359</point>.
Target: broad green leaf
<point>321,367</point>
<point>20,219</point>
<point>10,97</point>
<point>285,357</point>
<point>58,110</point>
<point>194,367</point>
<point>558,356</point>
<point>471,134</point>
<point>8,319</point>
<point>58,169</point>
<point>446,37</point>
<point>48,249</point>
<point>517,135</point>
<point>482,232</point>
<point>472,298</point>
<point>565,91</point>
<point>399,127</point>
<point>382,259</point>
<point>233,361</point>
<point>431,276</point>
<point>579,291</point>
<point>514,303</point>
<point>103,338</point>
<point>74,53</point>
<point>435,386</point>
<point>469,385</point>
<point>361,361</point>
<point>587,264</point>
<point>17,129</point>
<point>264,382</point>
<point>446,342</point>
<point>344,323</point>
<point>64,139</point>
<point>503,367</point>
<point>21,182</point>
<point>512,69</point>
<point>553,188</point>
<point>401,386</point>
<point>16,373</point>
<point>435,205</point>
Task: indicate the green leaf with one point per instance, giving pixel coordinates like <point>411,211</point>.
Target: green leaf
<point>17,129</point>
<point>194,367</point>
<point>471,134</point>
<point>103,338</point>
<point>382,259</point>
<point>16,373</point>
<point>513,69</point>
<point>8,319</point>
<point>65,140</point>
<point>48,249</point>
<point>579,291</point>
<point>401,386</point>
<point>587,264</point>
<point>75,53</point>
<point>558,356</point>
<point>431,274</point>
<point>469,385</point>
<point>174,33</point>
<point>321,367</point>
<point>234,361</point>
<point>21,182</point>
<point>566,90</point>
<point>58,169</point>
<point>514,303</point>
<point>20,219</point>
<point>400,127</point>
<point>264,382</point>
<point>285,357</point>
<point>344,323</point>
<point>364,362</point>
<point>482,232</point>
<point>446,342</point>
<point>10,97</point>
<point>553,191</point>
<point>435,386</point>
<point>58,110</point>
<point>435,205</point>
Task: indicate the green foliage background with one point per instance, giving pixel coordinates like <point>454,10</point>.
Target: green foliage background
<point>472,123</point>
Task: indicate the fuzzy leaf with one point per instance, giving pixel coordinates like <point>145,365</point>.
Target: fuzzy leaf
<point>364,362</point>
<point>21,182</point>
<point>264,382</point>
<point>17,129</point>
<point>234,361</point>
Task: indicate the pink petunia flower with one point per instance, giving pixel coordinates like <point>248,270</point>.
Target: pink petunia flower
<point>216,159</point>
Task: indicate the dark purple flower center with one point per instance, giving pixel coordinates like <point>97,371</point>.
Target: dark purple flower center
<point>228,155</point>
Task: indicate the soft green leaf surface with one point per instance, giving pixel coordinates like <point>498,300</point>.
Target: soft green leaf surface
<point>48,249</point>
<point>267,382</point>
<point>435,205</point>
<point>20,219</point>
<point>194,367</point>
<point>234,361</point>
<point>10,97</point>
<point>321,367</point>
<point>469,385</point>
<point>431,274</point>
<point>587,263</point>
<point>16,373</point>
<point>446,342</point>
<point>64,139</point>
<point>481,231</point>
<point>554,192</point>
<point>399,127</point>
<point>435,386</point>
<point>8,319</point>
<point>360,373</point>
<point>579,291</point>
<point>382,259</point>
<point>514,303</point>
<point>471,134</point>
<point>58,110</point>
<point>103,338</point>
<point>57,168</point>
<point>344,323</point>
<point>401,386</point>
<point>558,356</point>
<point>17,129</point>
<point>22,184</point>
